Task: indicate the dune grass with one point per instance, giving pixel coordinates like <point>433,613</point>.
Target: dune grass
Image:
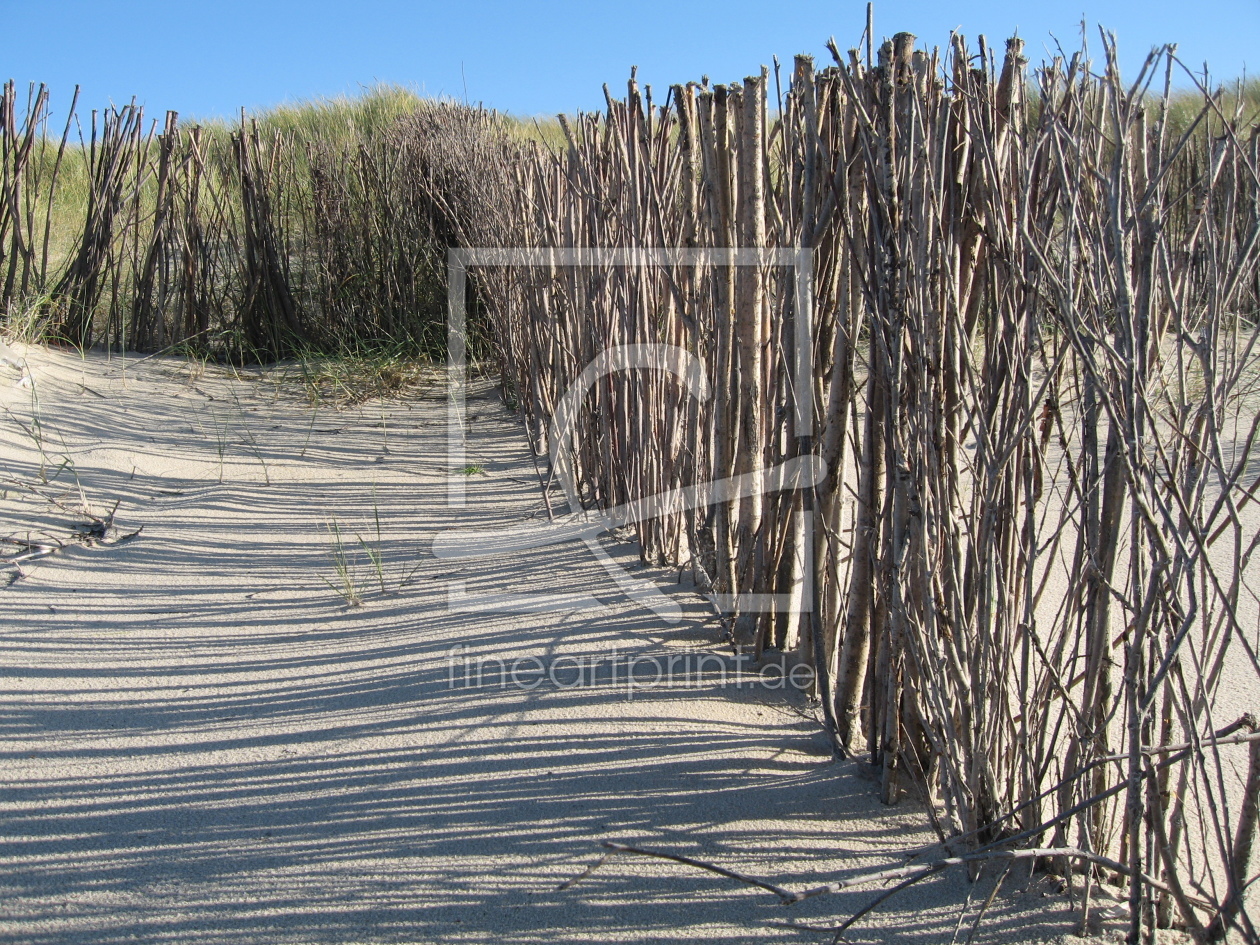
<point>361,372</point>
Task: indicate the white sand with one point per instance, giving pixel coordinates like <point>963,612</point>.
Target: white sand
<point>202,742</point>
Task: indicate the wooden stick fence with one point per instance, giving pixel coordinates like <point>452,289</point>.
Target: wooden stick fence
<point>1032,313</point>
<point>1025,346</point>
<point>247,241</point>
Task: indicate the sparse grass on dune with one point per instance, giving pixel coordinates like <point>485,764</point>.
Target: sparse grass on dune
<point>355,374</point>
<point>1236,100</point>
<point>546,130</point>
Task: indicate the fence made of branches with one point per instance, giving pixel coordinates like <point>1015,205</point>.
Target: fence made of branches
<point>1029,328</point>
<point>955,391</point>
<point>251,241</point>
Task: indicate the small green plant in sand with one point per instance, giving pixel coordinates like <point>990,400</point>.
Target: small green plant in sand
<point>474,469</point>
<point>373,551</point>
<point>310,428</point>
<point>250,439</point>
<point>50,465</point>
<point>197,361</point>
<point>220,438</point>
<point>28,321</point>
<point>346,585</point>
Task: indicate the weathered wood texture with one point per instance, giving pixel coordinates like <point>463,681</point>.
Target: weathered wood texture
<point>1032,302</point>
<point>1030,315</point>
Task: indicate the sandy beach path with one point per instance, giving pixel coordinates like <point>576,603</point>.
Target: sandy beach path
<point>202,741</point>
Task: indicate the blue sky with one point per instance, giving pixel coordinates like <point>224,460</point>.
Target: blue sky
<point>211,58</point>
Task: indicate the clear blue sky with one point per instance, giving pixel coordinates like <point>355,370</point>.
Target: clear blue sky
<point>210,58</point>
